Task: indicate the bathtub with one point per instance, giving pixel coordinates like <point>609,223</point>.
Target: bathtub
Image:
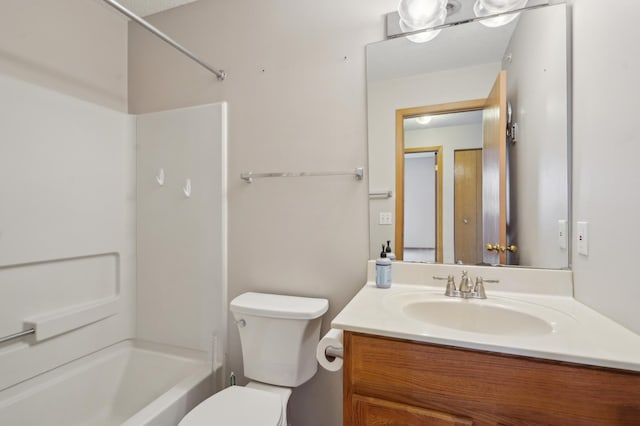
<point>129,384</point>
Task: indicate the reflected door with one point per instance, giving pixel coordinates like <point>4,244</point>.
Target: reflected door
<point>494,178</point>
<point>467,189</point>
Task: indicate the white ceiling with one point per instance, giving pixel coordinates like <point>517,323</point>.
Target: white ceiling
<point>149,7</point>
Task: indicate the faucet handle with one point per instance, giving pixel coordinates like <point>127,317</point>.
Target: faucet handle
<point>442,277</point>
<point>451,285</point>
<point>479,287</point>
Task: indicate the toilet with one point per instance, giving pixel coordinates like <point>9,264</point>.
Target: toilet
<point>279,335</point>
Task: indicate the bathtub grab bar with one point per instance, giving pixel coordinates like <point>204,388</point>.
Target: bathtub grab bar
<point>53,324</point>
<point>17,335</point>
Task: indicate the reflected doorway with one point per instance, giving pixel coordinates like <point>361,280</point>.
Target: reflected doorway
<point>486,130</point>
<point>452,126</point>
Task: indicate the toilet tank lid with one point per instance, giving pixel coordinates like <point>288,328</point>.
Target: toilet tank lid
<point>279,306</point>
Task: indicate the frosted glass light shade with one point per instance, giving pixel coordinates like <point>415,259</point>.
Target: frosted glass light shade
<point>483,8</point>
<point>497,6</point>
<point>422,37</point>
<point>421,13</point>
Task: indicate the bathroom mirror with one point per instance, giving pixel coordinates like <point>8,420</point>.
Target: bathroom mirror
<point>437,186</point>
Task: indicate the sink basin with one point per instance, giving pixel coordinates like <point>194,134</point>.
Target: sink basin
<point>478,317</point>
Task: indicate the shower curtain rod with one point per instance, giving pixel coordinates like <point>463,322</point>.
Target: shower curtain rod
<point>146,25</point>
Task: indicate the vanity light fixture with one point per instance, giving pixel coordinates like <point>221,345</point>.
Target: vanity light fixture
<point>422,20</point>
<point>483,8</point>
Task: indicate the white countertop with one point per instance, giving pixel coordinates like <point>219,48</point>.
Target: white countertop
<point>579,334</point>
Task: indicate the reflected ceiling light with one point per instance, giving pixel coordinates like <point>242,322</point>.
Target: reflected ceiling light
<point>424,120</point>
<point>483,8</point>
<point>418,15</point>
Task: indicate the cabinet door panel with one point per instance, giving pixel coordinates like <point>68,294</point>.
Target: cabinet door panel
<point>377,412</point>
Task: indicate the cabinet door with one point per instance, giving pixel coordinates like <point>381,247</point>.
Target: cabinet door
<point>377,412</point>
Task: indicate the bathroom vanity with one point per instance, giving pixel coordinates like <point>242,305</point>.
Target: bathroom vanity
<point>406,366</point>
<point>392,382</point>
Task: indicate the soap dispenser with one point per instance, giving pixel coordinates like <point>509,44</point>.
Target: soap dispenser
<point>383,270</point>
<point>390,254</point>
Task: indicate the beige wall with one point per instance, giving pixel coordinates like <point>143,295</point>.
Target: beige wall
<point>606,148</point>
<point>296,98</point>
<point>77,47</point>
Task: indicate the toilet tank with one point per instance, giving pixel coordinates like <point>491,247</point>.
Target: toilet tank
<point>279,335</point>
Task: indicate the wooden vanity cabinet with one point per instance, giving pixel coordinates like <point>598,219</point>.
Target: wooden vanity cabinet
<point>396,382</point>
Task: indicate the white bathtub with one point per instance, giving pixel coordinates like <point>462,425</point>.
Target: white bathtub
<point>130,384</point>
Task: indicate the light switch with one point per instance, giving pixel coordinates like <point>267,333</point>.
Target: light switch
<point>583,238</point>
<point>562,233</point>
<point>385,218</point>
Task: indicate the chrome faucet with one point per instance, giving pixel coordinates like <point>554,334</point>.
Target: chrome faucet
<point>465,283</point>
<point>466,290</point>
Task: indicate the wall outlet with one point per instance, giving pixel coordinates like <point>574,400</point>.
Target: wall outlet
<point>385,218</point>
<point>583,238</point>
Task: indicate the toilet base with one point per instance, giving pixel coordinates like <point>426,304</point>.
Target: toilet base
<point>283,392</point>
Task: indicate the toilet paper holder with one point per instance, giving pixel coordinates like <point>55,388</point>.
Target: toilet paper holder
<point>334,352</point>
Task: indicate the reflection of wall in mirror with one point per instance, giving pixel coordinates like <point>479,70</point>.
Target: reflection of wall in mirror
<point>536,88</point>
<point>384,97</point>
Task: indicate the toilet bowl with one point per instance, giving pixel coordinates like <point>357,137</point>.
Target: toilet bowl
<point>278,335</point>
<point>238,405</point>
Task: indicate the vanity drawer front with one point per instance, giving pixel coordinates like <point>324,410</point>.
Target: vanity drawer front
<point>489,388</point>
<point>372,412</point>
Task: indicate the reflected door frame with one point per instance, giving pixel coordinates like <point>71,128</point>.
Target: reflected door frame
<point>401,115</point>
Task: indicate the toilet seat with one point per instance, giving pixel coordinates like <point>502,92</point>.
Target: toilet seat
<point>237,405</point>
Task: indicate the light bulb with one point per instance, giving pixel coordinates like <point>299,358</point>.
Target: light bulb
<point>421,13</point>
<point>483,8</point>
<point>424,120</point>
<point>422,37</point>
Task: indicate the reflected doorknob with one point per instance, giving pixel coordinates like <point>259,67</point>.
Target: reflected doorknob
<point>497,247</point>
